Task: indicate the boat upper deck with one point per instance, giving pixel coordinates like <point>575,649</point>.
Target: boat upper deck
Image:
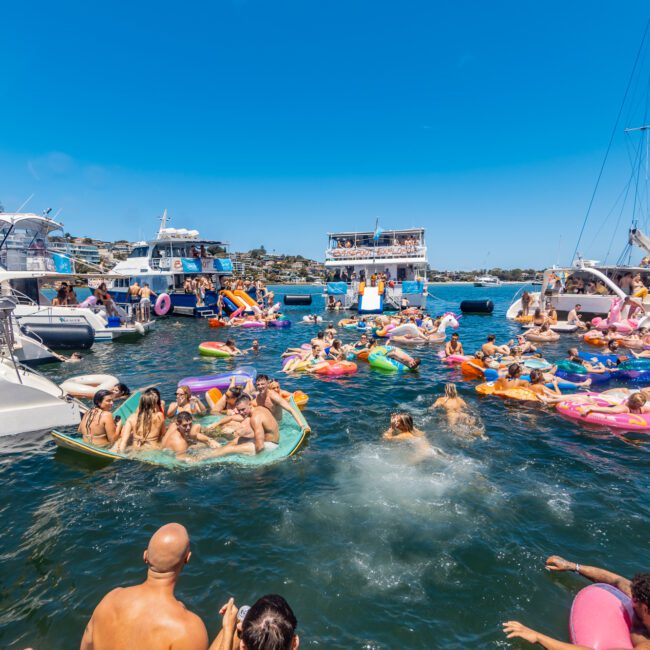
<point>396,246</point>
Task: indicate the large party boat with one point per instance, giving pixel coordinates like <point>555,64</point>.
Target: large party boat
<point>166,262</point>
<point>376,271</point>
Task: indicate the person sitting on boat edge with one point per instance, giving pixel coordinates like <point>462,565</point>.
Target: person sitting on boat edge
<point>258,431</point>
<point>148,616</point>
<point>183,432</point>
<point>573,318</point>
<point>269,624</point>
<point>98,425</point>
<point>638,589</point>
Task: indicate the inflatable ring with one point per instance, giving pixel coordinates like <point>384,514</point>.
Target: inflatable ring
<point>215,322</point>
<point>601,617</point>
<point>250,324</point>
<point>222,382</point>
<point>163,304</point>
<point>214,349</point>
<point>88,385</point>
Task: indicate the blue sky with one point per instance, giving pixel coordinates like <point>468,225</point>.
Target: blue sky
<point>272,123</point>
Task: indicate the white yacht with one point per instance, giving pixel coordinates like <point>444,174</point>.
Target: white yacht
<point>587,284</point>
<point>28,269</point>
<point>355,260</point>
<point>487,281</point>
<point>175,255</point>
<point>29,401</point>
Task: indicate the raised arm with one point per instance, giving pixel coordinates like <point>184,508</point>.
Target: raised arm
<point>287,406</point>
<point>595,574</point>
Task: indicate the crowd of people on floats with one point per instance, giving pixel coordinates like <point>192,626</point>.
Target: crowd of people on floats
<point>252,415</point>
<point>250,422</point>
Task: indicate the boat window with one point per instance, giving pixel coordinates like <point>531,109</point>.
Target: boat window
<point>139,251</point>
<point>160,251</point>
<point>179,251</point>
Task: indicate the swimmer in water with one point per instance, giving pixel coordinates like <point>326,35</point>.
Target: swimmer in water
<point>456,410</point>
<point>98,425</point>
<point>454,346</point>
<point>402,429</point>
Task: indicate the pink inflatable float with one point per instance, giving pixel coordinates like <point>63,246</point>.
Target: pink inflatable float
<point>163,304</point>
<point>601,618</point>
<point>574,410</point>
<point>614,318</point>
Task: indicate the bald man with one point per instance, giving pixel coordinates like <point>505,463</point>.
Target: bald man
<point>148,616</point>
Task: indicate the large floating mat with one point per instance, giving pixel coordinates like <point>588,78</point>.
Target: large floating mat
<point>292,437</point>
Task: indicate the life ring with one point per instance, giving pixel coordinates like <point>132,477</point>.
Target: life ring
<point>163,304</point>
<point>88,385</point>
<point>177,264</point>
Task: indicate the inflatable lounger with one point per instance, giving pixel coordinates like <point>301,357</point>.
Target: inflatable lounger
<point>292,438</point>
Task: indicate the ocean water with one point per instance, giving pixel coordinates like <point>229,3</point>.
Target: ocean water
<point>374,547</point>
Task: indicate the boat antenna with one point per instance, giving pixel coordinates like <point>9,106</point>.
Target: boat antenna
<point>25,202</point>
<point>611,137</point>
<point>163,222</point>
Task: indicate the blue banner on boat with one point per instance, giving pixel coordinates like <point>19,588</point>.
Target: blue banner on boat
<point>223,265</point>
<point>62,263</point>
<point>337,288</point>
<point>411,287</point>
<point>191,265</point>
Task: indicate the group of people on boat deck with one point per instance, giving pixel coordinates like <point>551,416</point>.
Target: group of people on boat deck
<point>148,616</point>
<point>252,415</point>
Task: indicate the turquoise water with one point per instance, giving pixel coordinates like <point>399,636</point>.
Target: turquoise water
<point>372,549</point>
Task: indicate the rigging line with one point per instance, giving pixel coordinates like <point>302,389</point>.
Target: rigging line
<point>622,193</point>
<point>620,216</point>
<point>611,138</point>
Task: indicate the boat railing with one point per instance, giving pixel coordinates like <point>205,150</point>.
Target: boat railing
<point>22,298</point>
<point>370,252</point>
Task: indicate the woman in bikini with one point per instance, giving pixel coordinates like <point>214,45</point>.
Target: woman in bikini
<point>146,426</point>
<point>186,402</point>
<point>98,426</point>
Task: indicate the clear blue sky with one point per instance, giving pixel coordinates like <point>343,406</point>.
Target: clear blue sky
<point>274,122</point>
